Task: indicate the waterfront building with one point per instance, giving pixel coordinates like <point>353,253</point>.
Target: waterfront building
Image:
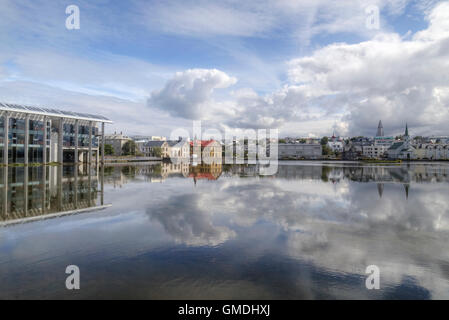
<point>172,149</point>
<point>140,146</point>
<point>384,141</point>
<point>117,140</point>
<point>30,134</point>
<point>352,151</point>
<point>379,146</point>
<point>156,149</point>
<point>429,151</point>
<point>374,151</point>
<point>208,151</point>
<point>336,144</point>
<point>178,149</point>
<point>402,149</point>
<point>299,151</point>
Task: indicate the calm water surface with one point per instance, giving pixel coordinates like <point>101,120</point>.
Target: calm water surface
<point>164,231</point>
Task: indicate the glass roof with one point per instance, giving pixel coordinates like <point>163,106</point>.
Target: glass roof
<point>52,112</point>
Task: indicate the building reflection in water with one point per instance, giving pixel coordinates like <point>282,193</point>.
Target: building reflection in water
<point>37,192</point>
<point>119,175</point>
<point>406,175</point>
<point>29,193</point>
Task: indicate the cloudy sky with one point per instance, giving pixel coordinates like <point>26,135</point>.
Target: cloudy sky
<point>306,67</point>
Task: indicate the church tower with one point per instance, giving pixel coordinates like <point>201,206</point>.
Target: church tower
<point>380,129</point>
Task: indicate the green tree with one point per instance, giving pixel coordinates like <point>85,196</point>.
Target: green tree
<point>108,149</point>
<point>324,141</point>
<point>129,148</point>
<point>157,152</point>
<point>282,141</point>
<point>326,150</point>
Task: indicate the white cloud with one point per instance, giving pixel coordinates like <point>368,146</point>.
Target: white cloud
<point>390,77</point>
<point>385,78</point>
<point>189,94</point>
<point>350,86</point>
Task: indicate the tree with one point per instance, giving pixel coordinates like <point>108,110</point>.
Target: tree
<point>326,150</point>
<point>282,141</point>
<point>324,141</point>
<point>108,149</point>
<point>157,152</point>
<point>129,148</point>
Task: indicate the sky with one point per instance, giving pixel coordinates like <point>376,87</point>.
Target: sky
<point>306,67</point>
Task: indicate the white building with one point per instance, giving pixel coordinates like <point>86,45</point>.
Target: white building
<point>179,149</point>
<point>402,150</point>
<point>380,144</point>
<point>299,151</point>
<point>117,140</point>
<point>429,151</point>
<point>336,146</point>
<point>374,151</point>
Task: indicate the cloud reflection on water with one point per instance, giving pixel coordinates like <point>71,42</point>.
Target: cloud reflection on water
<point>308,232</point>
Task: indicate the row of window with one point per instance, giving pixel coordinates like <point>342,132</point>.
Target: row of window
<point>69,128</point>
<point>16,154</point>
<point>83,141</point>
<point>16,132</point>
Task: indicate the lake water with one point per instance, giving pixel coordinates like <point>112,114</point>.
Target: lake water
<point>164,231</point>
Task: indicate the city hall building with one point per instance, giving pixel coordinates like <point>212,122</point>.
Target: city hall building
<point>31,134</point>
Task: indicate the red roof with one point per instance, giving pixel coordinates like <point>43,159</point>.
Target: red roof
<point>206,175</point>
<point>204,143</point>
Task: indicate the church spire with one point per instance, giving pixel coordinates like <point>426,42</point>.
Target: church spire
<point>406,129</point>
<point>380,129</point>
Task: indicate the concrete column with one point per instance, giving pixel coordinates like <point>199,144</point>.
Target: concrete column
<point>89,182</point>
<point>59,186</point>
<point>5,138</point>
<point>60,141</point>
<point>76,187</point>
<point>76,141</point>
<point>5,191</point>
<point>102,184</point>
<point>102,143</point>
<point>89,159</point>
<point>44,152</point>
<point>25,191</point>
<point>27,138</point>
<point>44,188</point>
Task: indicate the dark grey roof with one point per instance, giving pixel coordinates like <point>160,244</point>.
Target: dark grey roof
<point>396,145</point>
<point>172,143</point>
<point>152,144</point>
<point>52,112</point>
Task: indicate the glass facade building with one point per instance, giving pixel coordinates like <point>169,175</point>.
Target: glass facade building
<point>41,135</point>
<point>69,139</point>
